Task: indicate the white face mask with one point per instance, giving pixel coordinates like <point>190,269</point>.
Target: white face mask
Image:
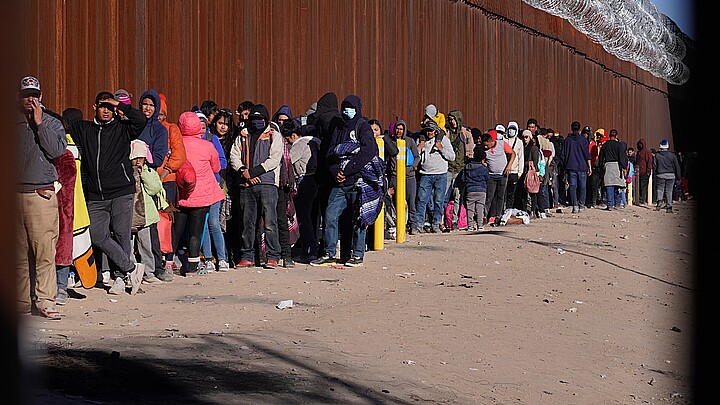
<point>512,132</point>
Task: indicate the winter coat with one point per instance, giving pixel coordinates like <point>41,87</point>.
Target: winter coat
<point>364,136</point>
<point>575,153</point>
<point>205,161</point>
<point>475,176</point>
<point>155,135</point>
<point>643,159</point>
<point>105,151</point>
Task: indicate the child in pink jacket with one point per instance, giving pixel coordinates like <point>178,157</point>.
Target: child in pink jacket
<point>194,206</point>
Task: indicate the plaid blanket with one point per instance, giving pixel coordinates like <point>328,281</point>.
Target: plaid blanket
<point>371,182</point>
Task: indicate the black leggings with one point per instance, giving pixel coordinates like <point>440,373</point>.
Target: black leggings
<point>191,220</point>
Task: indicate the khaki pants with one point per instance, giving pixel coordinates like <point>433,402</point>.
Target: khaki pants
<point>37,233</point>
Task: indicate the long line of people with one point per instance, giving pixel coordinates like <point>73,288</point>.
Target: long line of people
<point>226,189</point>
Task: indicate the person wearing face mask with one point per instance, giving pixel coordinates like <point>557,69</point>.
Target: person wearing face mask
<point>512,199</point>
<point>256,155</point>
<point>350,150</point>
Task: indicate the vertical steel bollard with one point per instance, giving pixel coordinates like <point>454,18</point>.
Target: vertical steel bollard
<point>629,193</point>
<point>650,193</point>
<point>400,192</point>
<point>379,226</point>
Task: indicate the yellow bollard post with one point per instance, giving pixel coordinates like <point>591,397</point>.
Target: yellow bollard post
<point>379,226</point>
<point>629,194</point>
<point>650,194</point>
<point>400,192</point>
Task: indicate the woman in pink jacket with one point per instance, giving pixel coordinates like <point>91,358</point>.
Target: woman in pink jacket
<point>195,204</point>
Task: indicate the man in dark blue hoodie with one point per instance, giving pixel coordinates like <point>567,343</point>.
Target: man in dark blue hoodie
<point>345,173</point>
<point>575,157</point>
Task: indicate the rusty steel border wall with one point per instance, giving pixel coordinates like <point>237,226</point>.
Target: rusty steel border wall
<point>495,61</point>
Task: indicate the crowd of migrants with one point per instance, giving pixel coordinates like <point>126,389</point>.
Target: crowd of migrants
<point>149,199</point>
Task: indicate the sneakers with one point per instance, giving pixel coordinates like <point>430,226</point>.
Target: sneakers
<point>223,265</point>
<point>136,277</point>
<point>472,229</point>
<point>50,313</point>
<point>436,229</point>
<point>354,262</point>
<point>118,287</point>
<point>271,264</point>
<point>321,261</point>
<point>61,298</point>
<point>165,276</point>
<point>245,263</point>
<point>106,280</point>
<point>210,267</point>
<point>304,258</point>
<point>151,280</point>
<point>669,210</point>
<point>288,263</point>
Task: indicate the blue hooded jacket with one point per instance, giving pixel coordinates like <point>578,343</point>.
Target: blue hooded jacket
<point>155,135</point>
<point>282,110</point>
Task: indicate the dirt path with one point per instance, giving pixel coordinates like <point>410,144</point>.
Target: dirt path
<point>594,308</point>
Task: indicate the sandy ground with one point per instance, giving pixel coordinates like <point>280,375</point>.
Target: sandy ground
<point>589,308</point>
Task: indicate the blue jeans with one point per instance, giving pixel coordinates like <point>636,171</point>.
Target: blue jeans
<point>431,184</point>
<point>341,198</point>
<point>213,235</point>
<point>612,196</point>
<point>259,201</point>
<point>577,187</point>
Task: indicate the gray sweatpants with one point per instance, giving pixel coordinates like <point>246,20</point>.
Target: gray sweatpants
<point>475,202</point>
<point>115,214</point>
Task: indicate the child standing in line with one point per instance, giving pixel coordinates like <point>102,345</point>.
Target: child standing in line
<point>145,212</point>
<point>475,176</point>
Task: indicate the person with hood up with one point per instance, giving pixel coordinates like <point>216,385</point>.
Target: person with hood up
<point>325,119</point>
<point>104,143</point>
<point>171,163</point>
<point>575,157</point>
<point>350,151</point>
<point>594,189</point>
<point>667,170</point>
<point>286,190</point>
<point>155,135</point>
<point>513,194</point>
<point>195,205</point>
<point>462,143</point>
<point>644,169</point>
<point>256,155</point>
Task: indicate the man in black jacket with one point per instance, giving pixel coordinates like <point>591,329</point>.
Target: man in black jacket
<point>110,187</point>
<point>613,160</point>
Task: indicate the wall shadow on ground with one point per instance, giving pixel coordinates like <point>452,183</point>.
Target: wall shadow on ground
<point>200,370</point>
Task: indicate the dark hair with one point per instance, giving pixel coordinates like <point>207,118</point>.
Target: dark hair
<point>479,153</point>
<point>245,105</point>
<point>376,122</point>
<point>103,95</point>
<point>476,134</point>
<point>550,131</point>
<point>209,107</point>
<point>531,121</point>
<point>222,114</point>
<point>485,137</point>
<point>72,114</point>
<point>575,126</point>
<point>58,117</point>
<point>290,127</point>
<point>543,131</point>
